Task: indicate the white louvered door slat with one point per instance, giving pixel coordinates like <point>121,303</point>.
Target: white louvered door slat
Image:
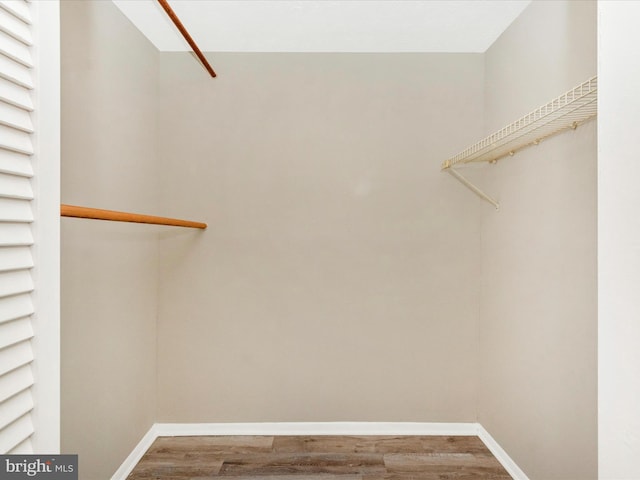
<point>12,186</point>
<point>24,448</point>
<point>15,117</point>
<point>14,94</point>
<point>17,356</point>
<point>15,258</point>
<point>15,50</point>
<point>16,433</point>
<point>15,72</point>
<point>15,186</point>
<point>13,210</point>
<point>15,332</point>
<point>14,283</point>
<point>16,236</point>
<point>16,407</point>
<point>16,140</point>
<point>14,382</point>
<point>15,163</point>
<point>18,8</point>
<point>15,27</point>
<point>15,307</point>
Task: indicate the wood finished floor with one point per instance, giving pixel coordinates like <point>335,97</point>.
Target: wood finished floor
<point>319,458</point>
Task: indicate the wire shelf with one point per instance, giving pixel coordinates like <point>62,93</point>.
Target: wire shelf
<point>567,111</point>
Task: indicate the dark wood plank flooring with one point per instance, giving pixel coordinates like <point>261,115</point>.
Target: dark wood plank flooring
<point>323,457</point>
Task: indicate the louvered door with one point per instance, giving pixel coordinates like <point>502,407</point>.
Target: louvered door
<point>16,237</point>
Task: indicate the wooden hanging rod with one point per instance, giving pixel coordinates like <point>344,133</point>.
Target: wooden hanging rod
<point>98,214</point>
<point>176,21</point>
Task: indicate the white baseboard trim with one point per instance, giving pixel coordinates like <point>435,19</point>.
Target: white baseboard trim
<point>136,454</point>
<point>316,428</point>
<point>507,462</point>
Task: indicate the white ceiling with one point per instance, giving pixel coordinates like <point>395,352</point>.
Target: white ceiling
<point>326,25</point>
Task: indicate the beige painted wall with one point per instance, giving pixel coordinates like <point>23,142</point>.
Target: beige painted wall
<point>538,386</point>
<point>338,277</point>
<point>109,271</point>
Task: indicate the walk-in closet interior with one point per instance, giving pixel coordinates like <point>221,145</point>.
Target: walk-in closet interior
<point>343,277</point>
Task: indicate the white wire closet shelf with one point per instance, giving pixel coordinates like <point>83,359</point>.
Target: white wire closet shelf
<point>567,111</point>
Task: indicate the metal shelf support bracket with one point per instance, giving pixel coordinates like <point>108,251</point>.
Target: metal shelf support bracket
<point>467,183</point>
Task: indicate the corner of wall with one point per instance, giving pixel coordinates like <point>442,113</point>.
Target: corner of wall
<point>537,248</point>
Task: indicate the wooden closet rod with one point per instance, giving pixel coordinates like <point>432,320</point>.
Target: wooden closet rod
<point>176,21</point>
<point>97,214</point>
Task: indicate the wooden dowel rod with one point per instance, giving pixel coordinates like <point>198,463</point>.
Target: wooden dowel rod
<point>98,214</point>
<point>176,21</point>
